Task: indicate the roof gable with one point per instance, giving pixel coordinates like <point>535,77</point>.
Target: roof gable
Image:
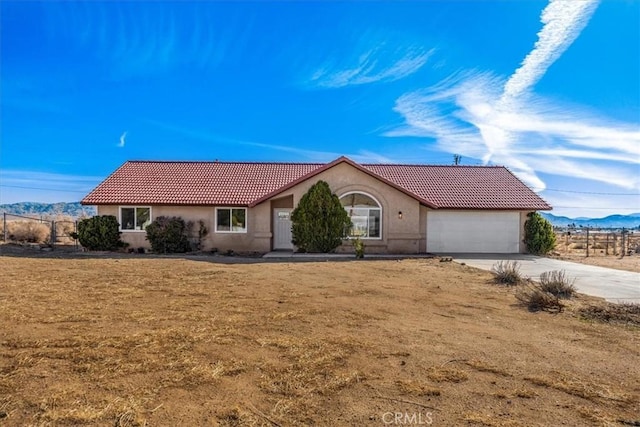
<point>337,162</point>
<point>248,184</point>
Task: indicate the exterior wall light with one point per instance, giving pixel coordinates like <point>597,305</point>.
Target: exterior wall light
<point>399,214</point>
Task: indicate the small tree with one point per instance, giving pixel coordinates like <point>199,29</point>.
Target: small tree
<point>168,235</point>
<point>100,233</point>
<point>319,220</point>
<point>538,234</point>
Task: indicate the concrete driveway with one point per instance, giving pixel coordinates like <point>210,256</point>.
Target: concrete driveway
<point>612,285</point>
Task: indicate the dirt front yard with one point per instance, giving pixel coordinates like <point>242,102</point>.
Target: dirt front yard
<point>136,340</point>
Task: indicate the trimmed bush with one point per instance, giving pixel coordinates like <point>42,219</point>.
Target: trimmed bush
<point>557,284</point>
<point>169,235</point>
<point>538,234</point>
<point>100,233</point>
<point>319,221</point>
<point>507,273</point>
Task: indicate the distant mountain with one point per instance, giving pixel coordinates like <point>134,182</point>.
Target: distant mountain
<point>34,209</point>
<point>612,221</point>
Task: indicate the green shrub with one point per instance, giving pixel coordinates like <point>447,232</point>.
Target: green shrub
<point>538,234</point>
<point>100,233</point>
<point>319,221</point>
<point>507,273</point>
<point>169,235</point>
<point>557,283</point>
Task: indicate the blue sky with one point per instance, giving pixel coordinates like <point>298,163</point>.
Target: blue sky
<point>549,89</point>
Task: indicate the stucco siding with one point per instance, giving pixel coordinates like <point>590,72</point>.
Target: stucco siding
<point>257,237</point>
<point>399,235</point>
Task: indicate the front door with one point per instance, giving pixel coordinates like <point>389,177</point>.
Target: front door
<point>282,229</point>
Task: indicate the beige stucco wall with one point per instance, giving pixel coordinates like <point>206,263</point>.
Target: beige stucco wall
<point>404,235</point>
<point>250,241</point>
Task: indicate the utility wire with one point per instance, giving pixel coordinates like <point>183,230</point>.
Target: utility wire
<point>592,192</point>
<point>45,189</point>
<point>589,207</point>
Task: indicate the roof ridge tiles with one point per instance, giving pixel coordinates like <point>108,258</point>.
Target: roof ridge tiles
<point>432,165</point>
<point>245,162</point>
<point>228,162</point>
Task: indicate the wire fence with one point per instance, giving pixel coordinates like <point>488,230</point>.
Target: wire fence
<point>598,242</point>
<point>49,232</point>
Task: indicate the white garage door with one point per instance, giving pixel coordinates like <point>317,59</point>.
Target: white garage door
<point>473,231</point>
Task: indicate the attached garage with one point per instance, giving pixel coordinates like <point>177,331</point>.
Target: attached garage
<point>450,231</point>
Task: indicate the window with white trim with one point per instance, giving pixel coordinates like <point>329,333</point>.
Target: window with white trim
<point>365,213</point>
<point>134,218</point>
<point>231,220</point>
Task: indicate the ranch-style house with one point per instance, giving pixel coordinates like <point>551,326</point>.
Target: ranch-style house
<point>399,209</point>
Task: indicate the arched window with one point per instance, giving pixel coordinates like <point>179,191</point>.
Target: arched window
<point>365,213</point>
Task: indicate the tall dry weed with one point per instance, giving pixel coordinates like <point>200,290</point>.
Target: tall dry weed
<point>25,231</point>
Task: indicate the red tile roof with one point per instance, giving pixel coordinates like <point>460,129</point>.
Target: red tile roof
<point>462,187</point>
<point>247,184</point>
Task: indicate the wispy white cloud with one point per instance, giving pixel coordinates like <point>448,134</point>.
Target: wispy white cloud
<point>134,39</point>
<point>122,139</point>
<point>361,156</point>
<point>563,22</point>
<point>546,138</point>
<point>498,120</point>
<point>373,59</point>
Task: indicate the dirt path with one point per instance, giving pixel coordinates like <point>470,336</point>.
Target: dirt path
<point>128,341</point>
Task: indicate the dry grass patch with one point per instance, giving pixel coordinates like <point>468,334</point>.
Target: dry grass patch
<point>482,366</point>
<point>447,374</point>
<point>625,313</point>
<point>312,368</point>
<point>576,387</point>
